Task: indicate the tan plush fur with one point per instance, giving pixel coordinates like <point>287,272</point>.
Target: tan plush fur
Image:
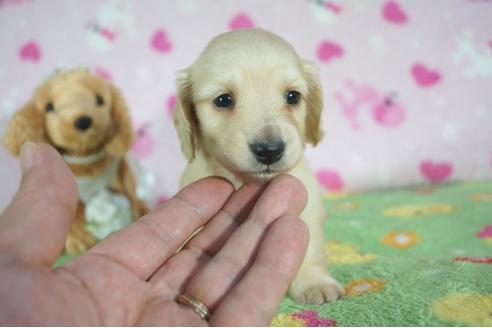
<point>72,95</point>
<point>257,68</point>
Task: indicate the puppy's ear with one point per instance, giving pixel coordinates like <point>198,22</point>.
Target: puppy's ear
<point>314,102</point>
<point>122,135</point>
<point>27,124</point>
<point>185,119</point>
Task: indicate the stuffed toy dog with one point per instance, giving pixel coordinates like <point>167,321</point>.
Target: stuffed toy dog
<point>85,118</point>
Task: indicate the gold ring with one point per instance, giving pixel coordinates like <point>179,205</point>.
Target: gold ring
<point>195,305</point>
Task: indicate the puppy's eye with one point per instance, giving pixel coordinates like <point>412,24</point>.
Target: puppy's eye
<point>224,100</point>
<point>292,97</point>
<point>49,107</point>
<point>99,100</point>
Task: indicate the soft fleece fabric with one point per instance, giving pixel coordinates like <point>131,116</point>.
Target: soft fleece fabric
<point>412,257</point>
<point>406,82</point>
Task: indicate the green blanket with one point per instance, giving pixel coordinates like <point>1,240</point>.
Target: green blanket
<point>414,257</point>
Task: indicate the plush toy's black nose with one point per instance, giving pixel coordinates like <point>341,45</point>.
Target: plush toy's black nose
<point>83,123</point>
<point>268,152</point>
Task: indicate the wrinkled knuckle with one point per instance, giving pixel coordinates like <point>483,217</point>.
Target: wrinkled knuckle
<point>156,232</point>
<point>201,255</point>
<point>189,206</point>
<point>261,220</point>
<point>229,268</point>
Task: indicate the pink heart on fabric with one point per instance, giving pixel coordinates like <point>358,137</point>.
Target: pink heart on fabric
<point>389,113</point>
<point>160,42</point>
<point>143,145</point>
<point>171,103</point>
<point>328,51</point>
<point>241,21</point>
<point>486,232</point>
<point>30,51</point>
<point>330,180</point>
<point>312,319</point>
<point>393,13</point>
<point>104,73</point>
<point>424,76</point>
<point>436,172</point>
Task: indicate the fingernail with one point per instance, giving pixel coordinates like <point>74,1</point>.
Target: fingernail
<point>27,156</point>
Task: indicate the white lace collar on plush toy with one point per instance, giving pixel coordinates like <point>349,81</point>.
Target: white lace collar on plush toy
<point>85,160</point>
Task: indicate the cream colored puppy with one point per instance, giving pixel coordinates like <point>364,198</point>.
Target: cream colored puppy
<point>245,110</point>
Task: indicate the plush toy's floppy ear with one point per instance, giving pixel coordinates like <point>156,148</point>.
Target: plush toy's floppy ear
<point>27,124</point>
<point>185,119</point>
<point>122,135</point>
<point>314,102</point>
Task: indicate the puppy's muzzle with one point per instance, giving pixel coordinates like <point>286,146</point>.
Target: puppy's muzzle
<point>268,152</point>
<point>83,123</point>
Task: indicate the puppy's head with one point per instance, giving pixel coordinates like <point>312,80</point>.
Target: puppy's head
<point>250,103</point>
<point>74,111</point>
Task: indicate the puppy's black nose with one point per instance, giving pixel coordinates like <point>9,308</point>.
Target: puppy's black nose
<point>83,123</point>
<point>268,152</point>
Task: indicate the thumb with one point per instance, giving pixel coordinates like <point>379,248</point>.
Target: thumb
<point>35,224</point>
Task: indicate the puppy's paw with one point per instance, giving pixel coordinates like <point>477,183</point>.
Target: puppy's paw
<point>315,289</point>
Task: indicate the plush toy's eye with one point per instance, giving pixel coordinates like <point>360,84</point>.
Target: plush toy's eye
<point>49,107</point>
<point>99,100</point>
<point>224,100</point>
<point>292,97</point>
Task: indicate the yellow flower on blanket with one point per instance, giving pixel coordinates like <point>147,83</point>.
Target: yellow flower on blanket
<point>363,286</point>
<point>418,210</point>
<point>401,239</point>
<point>426,190</point>
<point>346,205</point>
<point>486,234</point>
<point>481,198</point>
<point>286,320</point>
<point>346,254</point>
<point>336,195</point>
<point>472,309</point>
<point>306,318</point>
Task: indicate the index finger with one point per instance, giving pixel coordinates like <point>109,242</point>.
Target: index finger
<point>145,244</point>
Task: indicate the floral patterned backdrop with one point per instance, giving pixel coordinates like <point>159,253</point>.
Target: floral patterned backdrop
<point>408,84</point>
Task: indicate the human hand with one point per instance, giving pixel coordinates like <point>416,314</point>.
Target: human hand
<point>239,265</point>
